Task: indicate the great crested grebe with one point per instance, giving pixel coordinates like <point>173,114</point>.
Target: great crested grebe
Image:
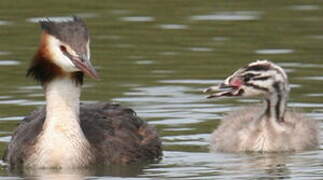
<point>66,134</point>
<point>262,128</point>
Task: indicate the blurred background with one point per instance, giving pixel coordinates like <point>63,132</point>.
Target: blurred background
<point>156,56</point>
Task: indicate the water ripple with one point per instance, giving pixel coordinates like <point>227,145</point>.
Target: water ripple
<point>172,122</point>
<point>4,22</point>
<point>300,65</point>
<point>162,71</point>
<point>178,129</point>
<point>200,49</point>
<point>5,97</point>
<point>13,118</point>
<point>138,19</point>
<point>191,81</point>
<point>173,26</point>
<point>5,139</point>
<point>4,53</point>
<point>186,137</point>
<point>229,16</point>
<point>168,53</point>
<point>274,51</point>
<point>9,62</point>
<point>13,101</point>
<point>314,95</point>
<point>220,38</point>
<point>320,37</point>
<point>143,62</point>
<point>304,7</point>
<point>306,105</point>
<point>319,78</point>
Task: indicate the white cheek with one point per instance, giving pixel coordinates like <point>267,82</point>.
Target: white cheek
<point>248,91</point>
<point>58,57</point>
<point>266,84</point>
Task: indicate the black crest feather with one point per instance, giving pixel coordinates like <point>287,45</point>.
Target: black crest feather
<point>65,30</point>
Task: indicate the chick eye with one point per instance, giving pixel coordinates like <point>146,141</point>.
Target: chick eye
<point>247,77</point>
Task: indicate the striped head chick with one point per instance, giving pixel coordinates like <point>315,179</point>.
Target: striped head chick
<point>267,127</point>
<point>63,51</point>
<point>260,78</point>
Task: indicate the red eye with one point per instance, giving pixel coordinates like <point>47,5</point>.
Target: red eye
<point>63,48</point>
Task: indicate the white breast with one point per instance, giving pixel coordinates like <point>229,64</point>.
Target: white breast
<point>62,142</point>
<point>60,148</point>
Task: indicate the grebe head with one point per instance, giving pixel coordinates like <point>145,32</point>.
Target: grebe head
<point>257,78</point>
<point>64,50</point>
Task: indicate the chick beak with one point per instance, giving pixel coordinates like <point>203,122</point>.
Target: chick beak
<point>225,88</point>
<point>216,88</point>
<point>84,64</point>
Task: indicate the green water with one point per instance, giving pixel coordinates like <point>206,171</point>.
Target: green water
<point>156,57</point>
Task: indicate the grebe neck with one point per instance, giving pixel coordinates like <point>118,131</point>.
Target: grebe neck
<point>63,99</point>
<point>62,142</point>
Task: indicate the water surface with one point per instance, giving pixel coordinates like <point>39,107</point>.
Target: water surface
<point>156,57</point>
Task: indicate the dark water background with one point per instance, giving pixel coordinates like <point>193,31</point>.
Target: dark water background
<point>156,56</point>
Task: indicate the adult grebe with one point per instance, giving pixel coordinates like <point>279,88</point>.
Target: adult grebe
<point>263,128</point>
<point>66,134</point>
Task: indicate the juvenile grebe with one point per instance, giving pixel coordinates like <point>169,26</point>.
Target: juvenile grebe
<point>66,134</point>
<point>263,128</point>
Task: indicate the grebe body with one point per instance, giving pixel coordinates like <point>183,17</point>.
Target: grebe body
<point>65,133</point>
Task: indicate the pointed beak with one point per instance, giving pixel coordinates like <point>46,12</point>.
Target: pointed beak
<point>215,88</point>
<point>84,64</point>
<point>224,89</point>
